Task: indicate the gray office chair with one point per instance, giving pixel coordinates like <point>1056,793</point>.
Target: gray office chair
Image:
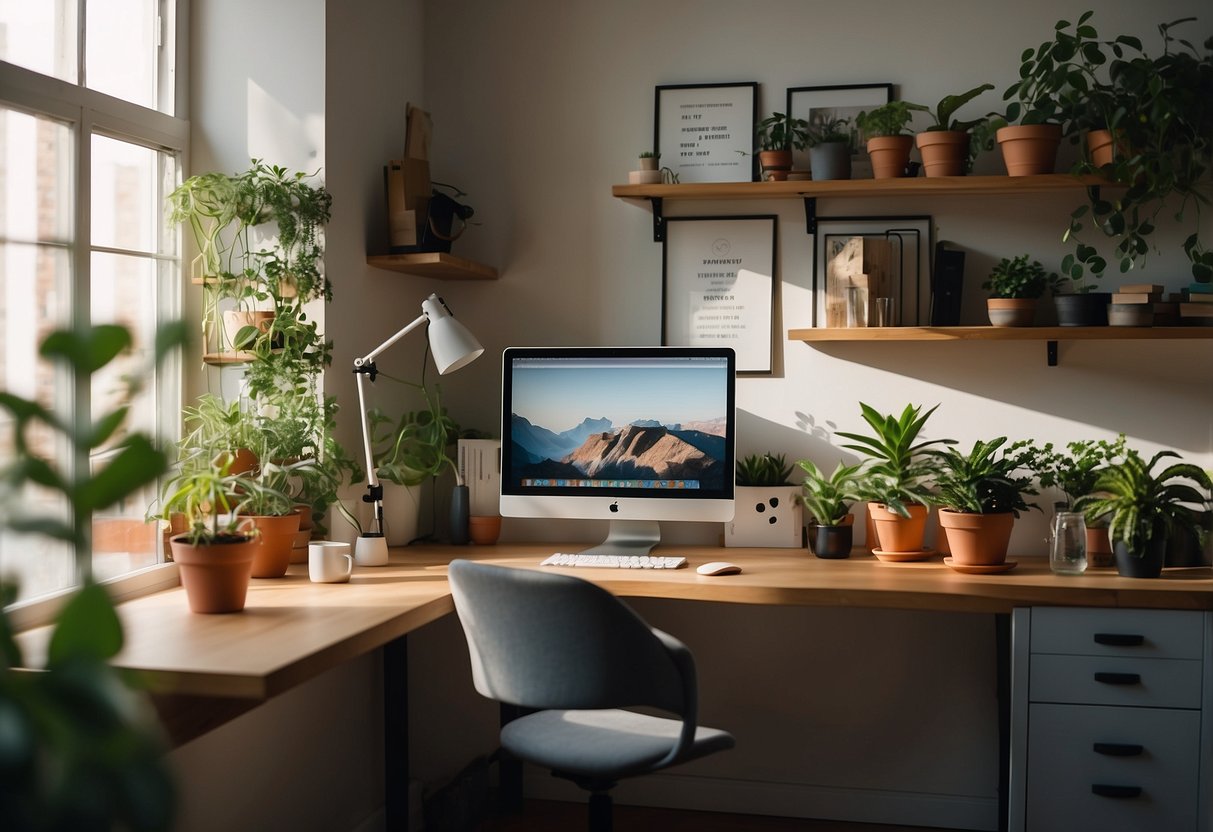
<point>578,655</point>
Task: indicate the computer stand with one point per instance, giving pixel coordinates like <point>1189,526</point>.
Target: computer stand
<point>626,538</point>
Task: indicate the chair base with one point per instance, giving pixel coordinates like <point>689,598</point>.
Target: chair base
<point>601,809</point>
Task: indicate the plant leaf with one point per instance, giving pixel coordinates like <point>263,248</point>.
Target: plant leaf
<point>88,628</point>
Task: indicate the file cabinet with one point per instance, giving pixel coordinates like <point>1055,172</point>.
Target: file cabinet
<point>1108,720</point>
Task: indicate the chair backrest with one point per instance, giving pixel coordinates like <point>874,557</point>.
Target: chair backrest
<point>545,640</point>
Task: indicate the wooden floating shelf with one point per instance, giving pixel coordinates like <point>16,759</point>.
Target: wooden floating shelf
<point>224,358</point>
<point>433,264</point>
<point>999,333</point>
<point>918,186</point>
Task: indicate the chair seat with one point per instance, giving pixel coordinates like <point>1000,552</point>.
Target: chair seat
<point>604,743</point>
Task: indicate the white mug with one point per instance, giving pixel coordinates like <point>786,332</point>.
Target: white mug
<point>329,561</point>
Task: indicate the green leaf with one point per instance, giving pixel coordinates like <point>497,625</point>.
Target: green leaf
<point>88,628</point>
<point>135,465</point>
<point>88,351</point>
<point>104,427</point>
<point>48,526</point>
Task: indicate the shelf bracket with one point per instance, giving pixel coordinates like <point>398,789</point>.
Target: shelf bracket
<point>1051,352</point>
<point>810,215</point>
<point>658,220</point>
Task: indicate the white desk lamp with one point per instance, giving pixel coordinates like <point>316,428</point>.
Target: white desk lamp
<point>453,347</point>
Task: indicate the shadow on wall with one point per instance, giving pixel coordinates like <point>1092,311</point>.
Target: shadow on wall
<point>1106,384</point>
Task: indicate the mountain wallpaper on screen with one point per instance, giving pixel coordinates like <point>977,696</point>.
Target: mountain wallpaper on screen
<point>596,449</point>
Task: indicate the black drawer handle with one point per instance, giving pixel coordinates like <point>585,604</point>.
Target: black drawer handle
<point>1118,678</point>
<point>1119,639</point>
<point>1117,749</point>
<point>1119,792</point>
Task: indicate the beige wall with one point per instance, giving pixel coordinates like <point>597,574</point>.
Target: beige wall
<point>539,106</point>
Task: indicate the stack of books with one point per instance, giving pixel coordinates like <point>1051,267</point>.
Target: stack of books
<point>1194,305</point>
<point>1139,304</point>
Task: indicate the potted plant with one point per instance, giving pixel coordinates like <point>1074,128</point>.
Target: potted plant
<point>888,144</point>
<point>1036,117</point>
<point>778,135</point>
<point>1015,285</point>
<point>945,143</point>
<point>408,452</point>
<point>648,172</point>
<point>898,482</point>
<point>980,494</point>
<point>768,511</point>
<point>82,746</point>
<point>830,142</point>
<point>1144,507</point>
<point>1074,471</point>
<point>1154,111</point>
<point>1074,297</point>
<point>828,498</point>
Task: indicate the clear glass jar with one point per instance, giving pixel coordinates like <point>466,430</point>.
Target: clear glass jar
<point>1068,548</point>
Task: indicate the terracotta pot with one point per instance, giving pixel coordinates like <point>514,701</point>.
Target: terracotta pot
<point>944,152</point>
<point>890,155</point>
<point>977,539</point>
<point>870,541</point>
<point>1029,149</point>
<point>305,517</point>
<point>275,536</point>
<point>236,319</point>
<point>896,533</point>
<point>301,538</point>
<point>648,163</point>
<point>1099,146</point>
<point>484,528</point>
<point>242,461</point>
<point>215,576</point>
<point>775,164</point>
<point>1099,547</point>
<point>1011,311</point>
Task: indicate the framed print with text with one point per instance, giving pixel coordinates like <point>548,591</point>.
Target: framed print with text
<point>705,132</point>
<point>857,260</point>
<point>815,104</point>
<point>718,286</point>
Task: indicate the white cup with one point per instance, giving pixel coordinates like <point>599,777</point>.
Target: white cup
<point>329,561</point>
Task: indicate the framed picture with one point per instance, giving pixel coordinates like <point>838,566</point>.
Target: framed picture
<point>718,286</point>
<point>815,104</point>
<point>705,132</point>
<point>872,271</point>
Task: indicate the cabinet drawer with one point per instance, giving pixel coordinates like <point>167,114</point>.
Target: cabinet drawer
<point>1156,634</point>
<point>1153,683</point>
<point>1071,785</point>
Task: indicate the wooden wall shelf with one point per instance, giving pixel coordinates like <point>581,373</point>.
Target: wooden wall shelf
<point>433,264</point>
<point>918,186</point>
<point>1000,333</point>
<point>1049,334</point>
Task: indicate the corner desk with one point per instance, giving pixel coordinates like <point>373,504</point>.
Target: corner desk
<point>1129,657</point>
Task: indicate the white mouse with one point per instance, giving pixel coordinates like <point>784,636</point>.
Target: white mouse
<point>719,567</point>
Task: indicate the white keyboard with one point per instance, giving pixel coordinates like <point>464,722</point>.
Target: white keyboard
<point>616,561</point>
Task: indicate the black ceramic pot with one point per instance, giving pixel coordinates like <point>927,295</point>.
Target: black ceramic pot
<point>832,542</point>
<point>1082,309</point>
<point>1145,565</point>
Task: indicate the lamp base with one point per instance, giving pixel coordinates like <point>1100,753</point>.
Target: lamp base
<point>370,550</point>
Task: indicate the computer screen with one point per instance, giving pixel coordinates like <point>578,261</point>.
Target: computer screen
<point>633,435</point>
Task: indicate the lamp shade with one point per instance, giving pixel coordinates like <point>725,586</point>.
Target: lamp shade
<point>450,342</point>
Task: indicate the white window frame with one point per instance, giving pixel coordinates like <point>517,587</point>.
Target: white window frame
<point>87,112</point>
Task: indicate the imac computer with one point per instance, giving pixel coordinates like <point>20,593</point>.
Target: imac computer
<point>632,435</point>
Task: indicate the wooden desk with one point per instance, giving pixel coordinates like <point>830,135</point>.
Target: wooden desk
<point>293,630</point>
<point>208,669</point>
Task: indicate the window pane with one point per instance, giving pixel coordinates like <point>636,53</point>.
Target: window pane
<point>127,209</point>
<point>40,35</point>
<point>122,49</point>
<point>35,178</point>
<point>39,565</point>
<point>124,292</point>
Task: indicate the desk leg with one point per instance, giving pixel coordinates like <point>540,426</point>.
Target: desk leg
<point>1002,642</point>
<point>396,735</point>
<point>509,769</point>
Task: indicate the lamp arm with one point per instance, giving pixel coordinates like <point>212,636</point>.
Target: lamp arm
<point>363,367</point>
<point>370,356</point>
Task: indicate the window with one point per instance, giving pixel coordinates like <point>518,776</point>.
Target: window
<point>84,170</point>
